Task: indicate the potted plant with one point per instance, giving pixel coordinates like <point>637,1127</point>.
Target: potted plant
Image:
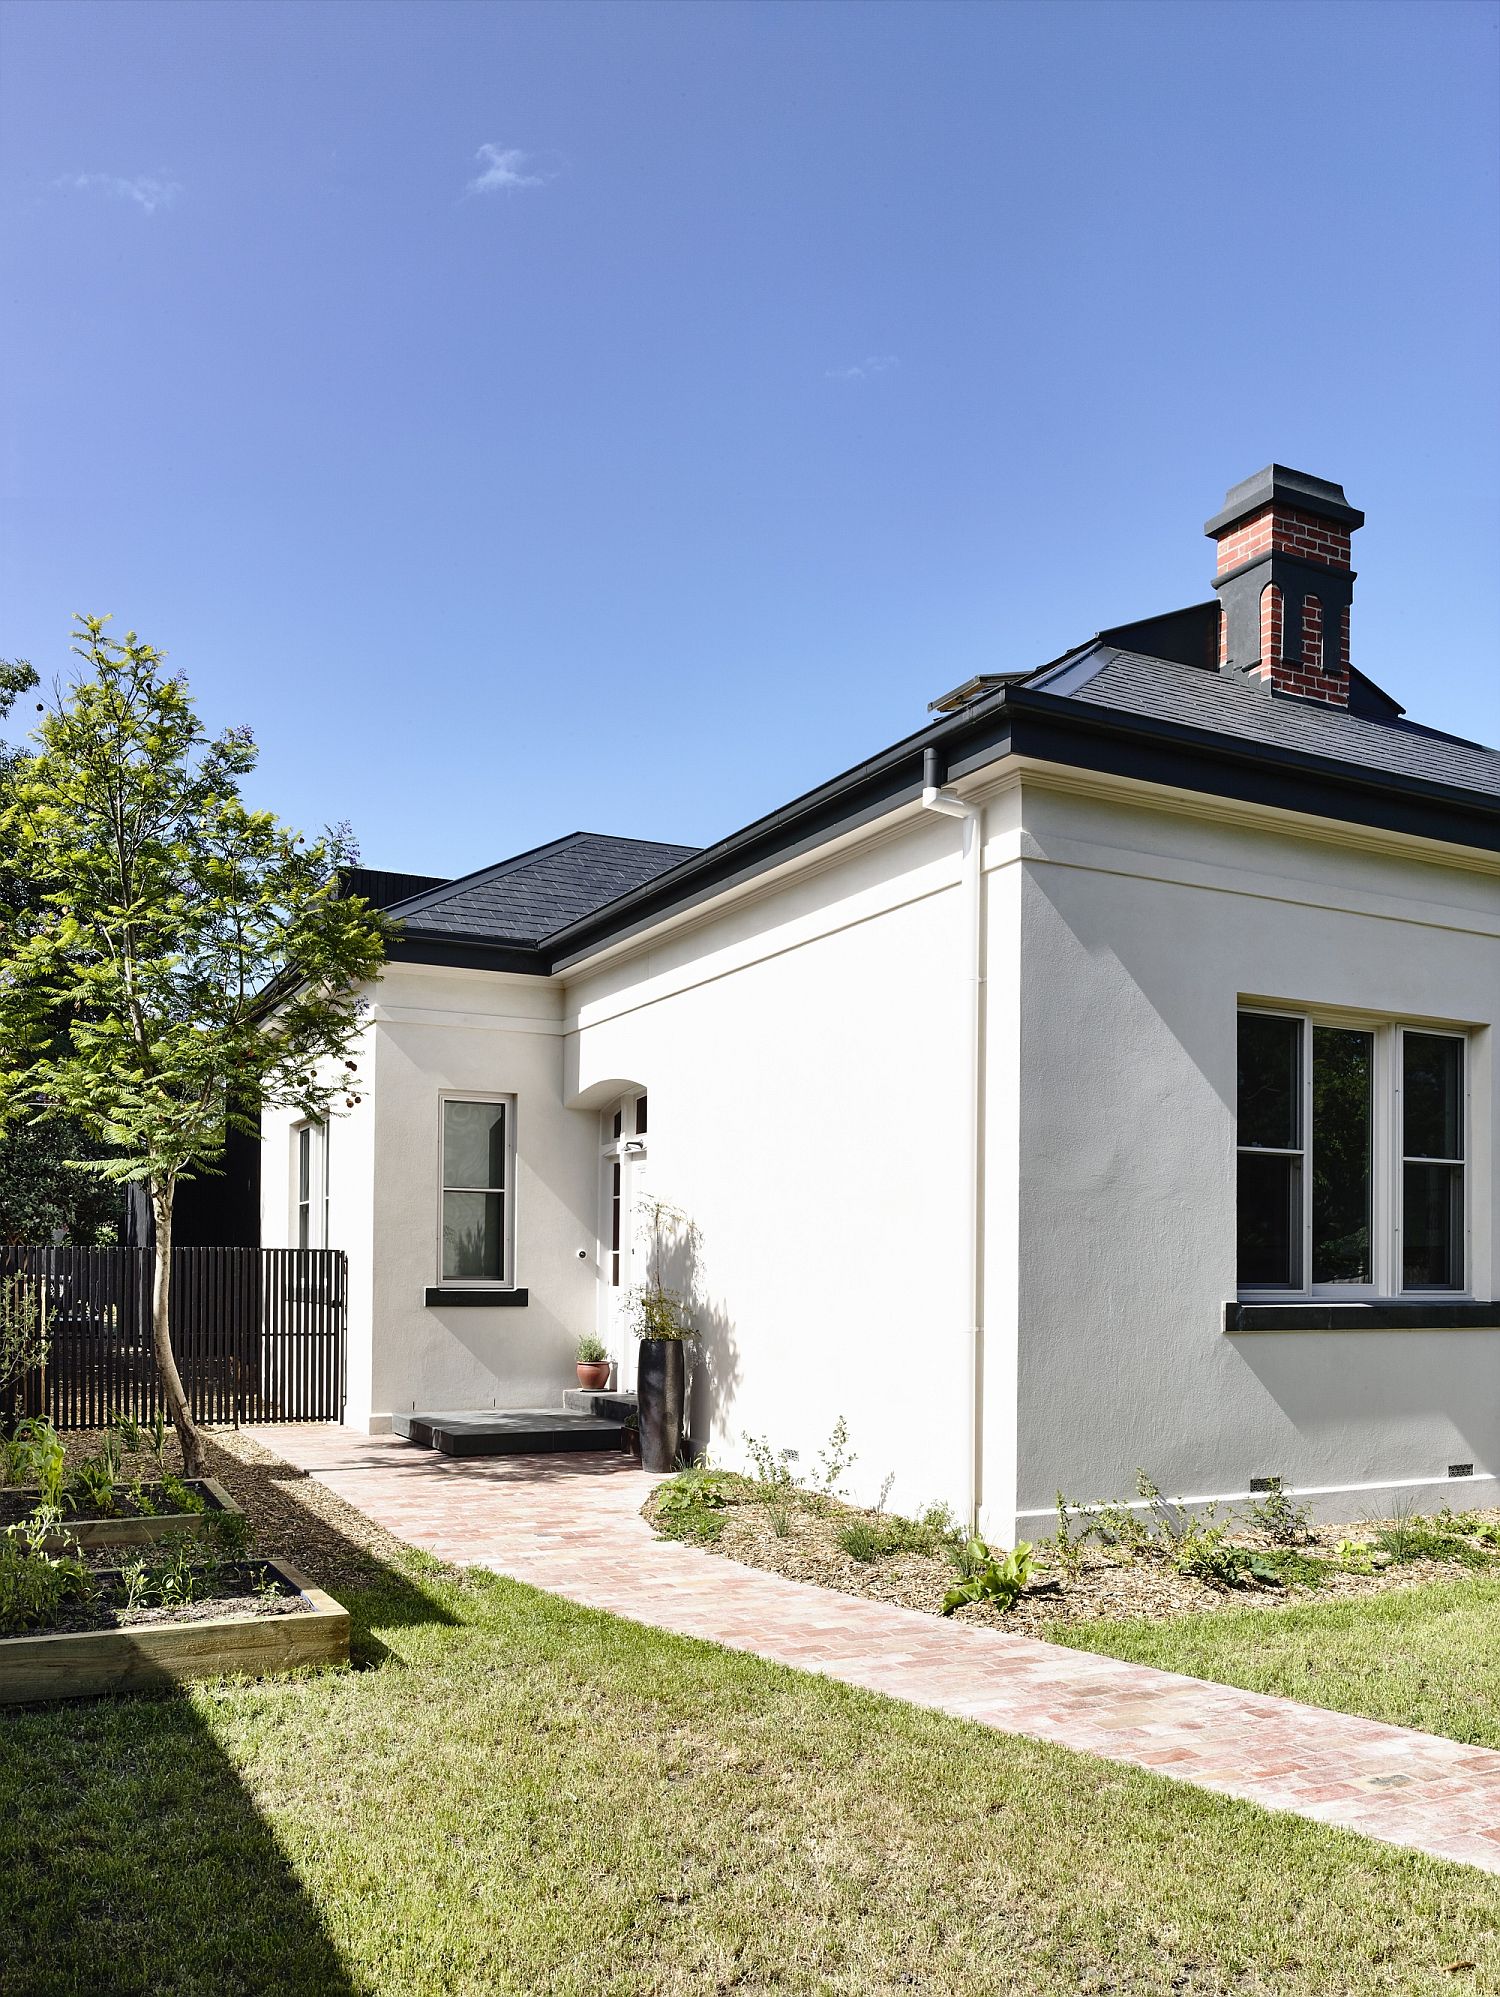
<point>593,1363</point>
<point>658,1320</point>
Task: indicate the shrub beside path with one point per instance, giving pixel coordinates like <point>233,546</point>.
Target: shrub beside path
<point>572,1525</point>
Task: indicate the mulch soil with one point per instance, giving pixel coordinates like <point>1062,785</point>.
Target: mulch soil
<point>1097,1583</point>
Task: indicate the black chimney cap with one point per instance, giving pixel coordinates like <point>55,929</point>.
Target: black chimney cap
<point>1277,485</point>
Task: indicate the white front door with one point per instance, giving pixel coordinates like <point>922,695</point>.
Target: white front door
<point>622,1188</point>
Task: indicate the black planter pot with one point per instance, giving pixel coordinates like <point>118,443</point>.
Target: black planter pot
<point>659,1384</point>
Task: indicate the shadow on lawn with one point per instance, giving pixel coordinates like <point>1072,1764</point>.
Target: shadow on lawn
<point>132,1860</point>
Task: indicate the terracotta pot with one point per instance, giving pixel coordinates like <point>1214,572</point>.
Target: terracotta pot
<point>593,1373</point>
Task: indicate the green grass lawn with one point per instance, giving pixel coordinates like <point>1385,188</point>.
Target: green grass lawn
<point>514,1794</point>
<point>1424,1657</point>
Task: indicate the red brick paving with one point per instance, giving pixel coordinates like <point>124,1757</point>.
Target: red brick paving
<point>571,1524</point>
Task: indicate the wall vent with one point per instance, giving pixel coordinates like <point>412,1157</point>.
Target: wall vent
<point>1265,1484</point>
<point>1460,1470</point>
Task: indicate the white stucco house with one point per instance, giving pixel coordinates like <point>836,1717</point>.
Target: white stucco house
<point>1103,1076</point>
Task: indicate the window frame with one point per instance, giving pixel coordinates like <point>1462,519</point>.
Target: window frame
<point>506,1280</point>
<point>1387,1157</point>
<point>623,1136</point>
<point>316,1204</point>
<point>1401,1159</point>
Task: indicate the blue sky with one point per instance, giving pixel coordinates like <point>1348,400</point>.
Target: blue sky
<point>534,417</point>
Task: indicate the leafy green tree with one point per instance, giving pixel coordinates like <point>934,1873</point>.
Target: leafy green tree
<point>46,1190</point>
<point>198,951</point>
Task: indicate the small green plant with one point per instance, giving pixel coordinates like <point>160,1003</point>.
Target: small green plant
<point>935,1531</point>
<point>866,1539</point>
<point>1293,1568</point>
<point>156,1440</point>
<point>23,1328</point>
<point>591,1350</point>
<point>988,1576</point>
<point>1112,1525</point>
<point>92,1489</point>
<point>180,1497</point>
<point>176,1580</point>
<point>34,1585</point>
<point>836,1459</point>
<point>228,1534</point>
<point>690,1505</point>
<point>1207,1555</point>
<point>1282,1522</point>
<point>1067,1551</point>
<point>940,1522</point>
<point>1415,1539</point>
<point>776,1480</point>
<point>132,1436</point>
<point>135,1581</point>
<point>35,1455</point>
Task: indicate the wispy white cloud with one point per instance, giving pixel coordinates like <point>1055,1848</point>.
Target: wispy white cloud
<point>504,169</point>
<point>149,191</point>
<point>864,370</point>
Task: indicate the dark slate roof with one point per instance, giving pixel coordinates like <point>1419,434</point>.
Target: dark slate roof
<point>1232,704</point>
<point>527,899</point>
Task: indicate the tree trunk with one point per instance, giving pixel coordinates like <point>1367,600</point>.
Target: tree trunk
<point>193,1464</point>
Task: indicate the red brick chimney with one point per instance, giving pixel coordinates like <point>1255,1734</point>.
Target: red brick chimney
<point>1285,584</point>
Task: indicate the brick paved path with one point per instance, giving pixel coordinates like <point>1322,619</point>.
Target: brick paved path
<point>571,1524</point>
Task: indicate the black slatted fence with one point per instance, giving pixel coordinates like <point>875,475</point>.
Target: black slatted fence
<point>258,1333</point>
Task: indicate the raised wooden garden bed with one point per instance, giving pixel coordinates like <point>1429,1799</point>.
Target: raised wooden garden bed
<point>129,1530</point>
<point>142,1656</point>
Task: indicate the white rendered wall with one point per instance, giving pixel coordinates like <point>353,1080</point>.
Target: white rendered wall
<point>806,1056</point>
<point>457,1030</point>
<point>1141,930</point>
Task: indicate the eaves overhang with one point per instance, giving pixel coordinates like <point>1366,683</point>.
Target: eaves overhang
<point>1116,742</point>
<point>417,946</point>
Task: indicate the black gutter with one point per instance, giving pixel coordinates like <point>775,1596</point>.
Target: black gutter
<point>416,946</point>
<point>1050,728</point>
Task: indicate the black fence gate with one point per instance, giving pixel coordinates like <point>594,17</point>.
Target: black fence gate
<point>259,1333</point>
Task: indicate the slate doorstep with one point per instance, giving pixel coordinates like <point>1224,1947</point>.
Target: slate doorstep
<point>507,1431</point>
<point>85,1664</point>
<point>86,1532</point>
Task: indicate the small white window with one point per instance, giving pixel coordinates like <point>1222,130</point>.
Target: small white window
<point>310,1185</point>
<point>476,1223</point>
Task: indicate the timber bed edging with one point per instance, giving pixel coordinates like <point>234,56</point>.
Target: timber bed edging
<point>86,1664</point>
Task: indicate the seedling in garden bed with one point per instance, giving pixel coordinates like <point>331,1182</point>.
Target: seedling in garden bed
<point>987,1576</point>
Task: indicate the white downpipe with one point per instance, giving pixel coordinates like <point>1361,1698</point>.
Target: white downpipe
<point>971,891</point>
